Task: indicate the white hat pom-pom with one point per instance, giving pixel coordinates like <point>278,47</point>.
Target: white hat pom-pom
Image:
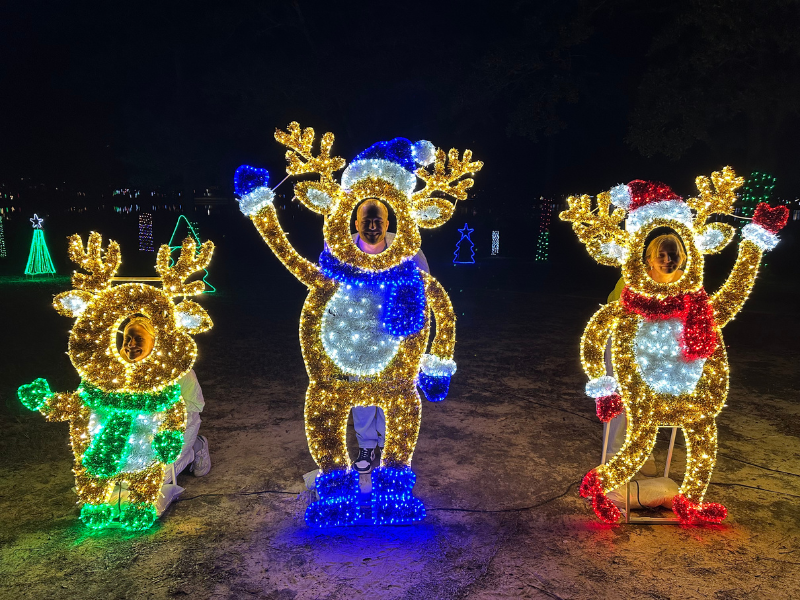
<point>424,152</point>
<point>621,196</point>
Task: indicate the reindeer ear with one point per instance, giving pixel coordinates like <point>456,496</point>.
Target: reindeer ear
<point>432,212</point>
<point>192,317</point>
<point>714,237</point>
<point>319,196</point>
<point>72,303</point>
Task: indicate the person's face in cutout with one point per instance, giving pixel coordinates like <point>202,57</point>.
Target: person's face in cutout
<point>664,264</point>
<point>372,222</point>
<point>137,343</point>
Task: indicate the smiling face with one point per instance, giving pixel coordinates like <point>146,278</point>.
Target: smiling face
<point>138,342</point>
<point>665,257</point>
<point>372,222</point>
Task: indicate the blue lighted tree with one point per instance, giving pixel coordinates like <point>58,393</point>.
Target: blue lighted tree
<point>465,249</point>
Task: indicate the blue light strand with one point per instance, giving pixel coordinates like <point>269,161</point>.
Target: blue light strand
<point>338,500</point>
<point>435,387</point>
<point>465,235</point>
<point>404,312</point>
<point>399,150</point>
<point>392,502</point>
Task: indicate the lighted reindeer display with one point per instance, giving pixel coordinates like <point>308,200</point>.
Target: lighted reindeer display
<point>669,362</point>
<point>365,324</point>
<point>126,418</point>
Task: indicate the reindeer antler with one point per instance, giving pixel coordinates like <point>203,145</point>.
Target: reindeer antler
<point>190,261</point>
<point>300,144</point>
<point>101,268</point>
<point>446,175</point>
<point>720,201</point>
<point>597,228</point>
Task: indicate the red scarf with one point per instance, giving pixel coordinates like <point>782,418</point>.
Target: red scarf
<point>699,340</point>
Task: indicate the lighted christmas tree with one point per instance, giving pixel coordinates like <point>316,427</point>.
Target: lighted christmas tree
<point>176,239</point>
<point>543,236</point>
<point>39,261</point>
<point>2,239</point>
<point>465,249</point>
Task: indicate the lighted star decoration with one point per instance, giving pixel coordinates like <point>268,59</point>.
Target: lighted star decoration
<point>37,221</point>
<point>465,231</point>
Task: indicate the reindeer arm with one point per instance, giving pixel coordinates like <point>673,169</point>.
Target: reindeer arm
<point>445,340</point>
<point>266,221</point>
<point>593,341</point>
<point>728,300</point>
<point>55,406</point>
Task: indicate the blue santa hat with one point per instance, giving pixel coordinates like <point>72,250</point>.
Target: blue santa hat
<point>395,161</point>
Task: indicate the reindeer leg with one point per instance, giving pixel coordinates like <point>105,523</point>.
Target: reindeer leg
<point>619,470</point>
<point>326,411</point>
<point>140,513</point>
<point>701,455</point>
<point>392,482</point>
<point>93,492</point>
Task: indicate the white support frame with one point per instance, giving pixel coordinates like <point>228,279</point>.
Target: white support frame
<point>627,511</point>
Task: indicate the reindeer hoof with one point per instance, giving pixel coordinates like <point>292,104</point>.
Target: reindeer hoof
<point>604,508</point>
<point>338,500</point>
<point>392,502</point>
<point>691,512</point>
<point>97,516</point>
<point>138,516</point>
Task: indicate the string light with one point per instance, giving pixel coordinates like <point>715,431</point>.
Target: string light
<point>2,239</point>
<point>366,323</point>
<point>543,235</point>
<point>127,419</point>
<point>495,243</point>
<point>193,231</point>
<point>669,361</point>
<point>145,232</point>
<point>39,261</point>
<point>461,251</point>
<point>758,189</point>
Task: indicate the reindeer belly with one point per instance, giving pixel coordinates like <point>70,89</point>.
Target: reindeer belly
<point>660,361</point>
<point>352,331</point>
<point>145,426</point>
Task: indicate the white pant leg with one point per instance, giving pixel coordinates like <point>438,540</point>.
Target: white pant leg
<point>370,425</point>
<point>189,437</point>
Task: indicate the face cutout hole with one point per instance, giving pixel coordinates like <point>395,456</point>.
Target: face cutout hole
<point>372,220</point>
<point>664,257</point>
<point>137,338</point>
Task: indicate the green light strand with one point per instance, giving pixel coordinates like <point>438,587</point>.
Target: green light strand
<point>758,188</point>
<point>2,239</point>
<point>173,247</point>
<point>39,261</point>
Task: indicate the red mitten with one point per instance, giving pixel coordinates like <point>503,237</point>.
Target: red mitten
<point>771,218</point>
<point>609,407</point>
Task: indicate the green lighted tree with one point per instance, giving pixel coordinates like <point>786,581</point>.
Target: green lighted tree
<point>175,244</point>
<point>39,261</point>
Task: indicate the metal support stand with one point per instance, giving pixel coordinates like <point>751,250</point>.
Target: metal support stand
<point>627,511</point>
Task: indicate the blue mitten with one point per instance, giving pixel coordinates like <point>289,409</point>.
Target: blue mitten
<point>250,184</point>
<point>434,377</point>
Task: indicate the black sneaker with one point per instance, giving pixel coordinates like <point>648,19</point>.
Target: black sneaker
<point>363,464</point>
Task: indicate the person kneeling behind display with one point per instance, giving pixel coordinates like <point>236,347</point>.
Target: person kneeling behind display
<point>137,343</point>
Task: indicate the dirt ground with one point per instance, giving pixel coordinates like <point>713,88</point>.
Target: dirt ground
<point>498,465</point>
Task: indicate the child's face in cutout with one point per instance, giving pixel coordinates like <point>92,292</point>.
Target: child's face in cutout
<point>137,343</point>
<point>664,264</point>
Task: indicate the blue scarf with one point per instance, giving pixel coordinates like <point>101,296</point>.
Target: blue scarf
<point>404,312</point>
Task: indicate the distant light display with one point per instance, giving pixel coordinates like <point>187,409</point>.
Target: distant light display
<point>2,239</point>
<point>366,322</point>
<point>758,189</point>
<point>145,232</point>
<point>465,248</point>
<point>670,367</point>
<point>39,261</point>
<point>495,243</point>
<point>543,233</point>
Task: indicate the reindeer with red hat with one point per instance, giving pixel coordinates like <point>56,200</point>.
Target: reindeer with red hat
<point>670,368</point>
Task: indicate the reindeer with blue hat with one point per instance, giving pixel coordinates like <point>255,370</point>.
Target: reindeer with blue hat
<point>366,322</point>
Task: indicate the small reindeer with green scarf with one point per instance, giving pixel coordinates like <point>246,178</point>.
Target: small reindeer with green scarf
<point>126,418</point>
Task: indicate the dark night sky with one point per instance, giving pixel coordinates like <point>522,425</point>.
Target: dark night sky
<point>555,96</point>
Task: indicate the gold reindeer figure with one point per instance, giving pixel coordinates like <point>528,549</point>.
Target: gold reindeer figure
<point>126,418</point>
<point>365,324</point>
<point>669,362</point>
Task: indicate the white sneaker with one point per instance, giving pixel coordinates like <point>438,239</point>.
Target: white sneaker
<point>202,459</point>
<point>363,464</point>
